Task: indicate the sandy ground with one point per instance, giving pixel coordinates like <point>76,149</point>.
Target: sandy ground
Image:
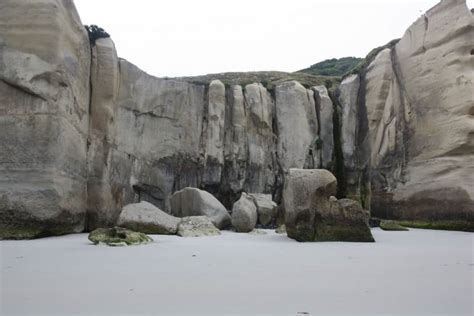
<point>419,272</point>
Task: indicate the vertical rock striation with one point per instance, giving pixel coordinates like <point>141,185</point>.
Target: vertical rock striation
<point>419,100</point>
<point>84,133</point>
<point>44,118</point>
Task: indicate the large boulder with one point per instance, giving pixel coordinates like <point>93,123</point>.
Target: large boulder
<point>313,214</point>
<point>266,208</point>
<point>195,202</point>
<point>197,226</point>
<point>344,220</point>
<point>244,214</point>
<point>118,236</point>
<point>146,218</point>
<point>303,190</point>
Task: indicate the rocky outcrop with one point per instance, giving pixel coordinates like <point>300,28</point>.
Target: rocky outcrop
<point>103,183</point>
<point>266,208</point>
<point>420,130</point>
<point>44,118</point>
<point>325,141</point>
<point>244,214</point>
<point>297,126</point>
<point>197,226</point>
<point>302,190</point>
<point>147,218</point>
<point>313,214</point>
<point>195,202</point>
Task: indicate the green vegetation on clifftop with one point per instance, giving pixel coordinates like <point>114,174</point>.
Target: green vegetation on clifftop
<point>267,78</point>
<point>466,226</point>
<point>332,67</point>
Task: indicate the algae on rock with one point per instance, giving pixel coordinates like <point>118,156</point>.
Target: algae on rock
<point>118,236</point>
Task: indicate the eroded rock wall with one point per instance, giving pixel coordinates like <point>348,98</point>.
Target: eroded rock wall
<point>44,118</point>
<point>419,99</point>
<point>157,136</point>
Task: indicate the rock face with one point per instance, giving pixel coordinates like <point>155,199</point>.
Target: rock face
<point>103,191</point>
<point>325,142</point>
<point>244,214</point>
<point>195,202</point>
<point>147,218</point>
<point>418,126</point>
<point>85,133</point>
<point>266,208</point>
<point>313,214</point>
<point>197,226</point>
<point>297,124</point>
<point>44,118</point>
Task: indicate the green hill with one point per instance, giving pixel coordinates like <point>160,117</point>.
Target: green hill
<point>333,67</point>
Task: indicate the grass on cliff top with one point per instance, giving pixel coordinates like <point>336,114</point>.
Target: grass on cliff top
<point>332,67</point>
<point>267,78</point>
<point>362,65</point>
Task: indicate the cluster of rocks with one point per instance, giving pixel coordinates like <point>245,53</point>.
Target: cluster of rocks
<point>194,213</point>
<point>312,213</point>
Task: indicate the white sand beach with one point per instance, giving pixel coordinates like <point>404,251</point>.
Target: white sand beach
<point>420,272</point>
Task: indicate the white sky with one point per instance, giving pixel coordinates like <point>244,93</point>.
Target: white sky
<point>195,37</point>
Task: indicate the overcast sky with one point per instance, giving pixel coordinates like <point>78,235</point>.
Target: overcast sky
<point>191,37</point>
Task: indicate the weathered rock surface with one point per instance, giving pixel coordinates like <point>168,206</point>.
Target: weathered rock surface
<point>244,214</point>
<point>303,190</point>
<point>197,226</point>
<point>104,196</point>
<point>266,208</point>
<point>44,116</point>
<point>195,202</point>
<point>313,214</point>
<point>344,220</point>
<point>84,132</point>
<point>297,126</point>
<point>325,142</point>
<point>118,236</point>
<point>419,99</point>
<point>147,218</point>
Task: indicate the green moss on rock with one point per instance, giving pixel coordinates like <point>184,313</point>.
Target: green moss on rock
<point>20,233</point>
<point>267,78</point>
<point>31,232</point>
<point>458,225</point>
<point>118,236</point>
<point>391,226</point>
<point>350,233</point>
